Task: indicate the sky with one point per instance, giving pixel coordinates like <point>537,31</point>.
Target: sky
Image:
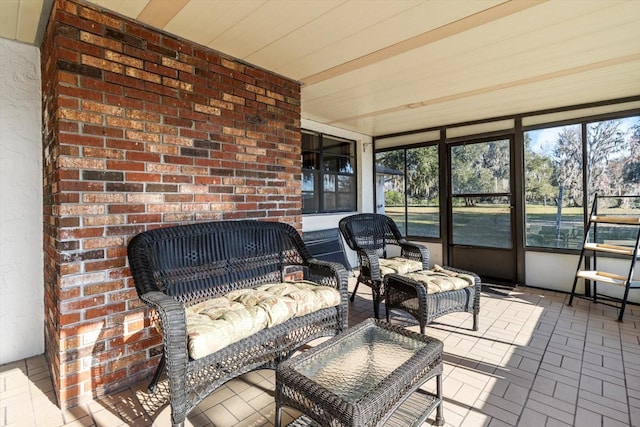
<point>542,140</point>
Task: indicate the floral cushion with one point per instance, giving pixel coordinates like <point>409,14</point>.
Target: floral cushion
<point>441,280</point>
<point>398,265</point>
<point>218,322</point>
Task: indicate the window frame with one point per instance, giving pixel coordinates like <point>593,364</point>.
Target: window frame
<point>320,173</point>
<point>405,225</point>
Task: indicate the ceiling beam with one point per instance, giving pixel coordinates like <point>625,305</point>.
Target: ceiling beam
<point>159,13</point>
<point>465,24</point>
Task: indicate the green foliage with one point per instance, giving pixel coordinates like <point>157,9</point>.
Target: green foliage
<point>393,198</point>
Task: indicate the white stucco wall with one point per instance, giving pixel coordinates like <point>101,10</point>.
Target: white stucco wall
<point>21,265</point>
<point>556,272</point>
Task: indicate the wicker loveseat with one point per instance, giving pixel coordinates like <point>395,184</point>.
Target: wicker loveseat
<point>222,277</point>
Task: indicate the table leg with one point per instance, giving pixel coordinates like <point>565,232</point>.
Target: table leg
<point>278,420</point>
<point>439,415</point>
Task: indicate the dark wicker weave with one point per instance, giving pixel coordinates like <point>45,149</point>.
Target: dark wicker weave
<point>412,297</point>
<point>370,235</point>
<point>179,266</point>
<point>393,399</point>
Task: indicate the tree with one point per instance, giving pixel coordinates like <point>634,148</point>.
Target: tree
<point>538,173</point>
<point>567,164</point>
<point>423,174</point>
<point>605,141</point>
<point>631,169</point>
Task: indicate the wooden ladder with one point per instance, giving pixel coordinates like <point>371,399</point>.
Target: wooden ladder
<point>590,245</point>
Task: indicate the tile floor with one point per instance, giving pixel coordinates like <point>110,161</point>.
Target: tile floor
<point>534,362</point>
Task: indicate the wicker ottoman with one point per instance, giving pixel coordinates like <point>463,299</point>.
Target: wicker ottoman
<point>368,376</point>
<point>416,294</point>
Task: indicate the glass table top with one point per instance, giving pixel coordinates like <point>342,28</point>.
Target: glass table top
<point>359,363</point>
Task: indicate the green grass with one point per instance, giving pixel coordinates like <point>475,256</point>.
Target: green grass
<point>489,225</point>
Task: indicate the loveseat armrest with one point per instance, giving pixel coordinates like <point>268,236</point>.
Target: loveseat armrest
<point>173,321</point>
<point>331,274</point>
<point>327,273</point>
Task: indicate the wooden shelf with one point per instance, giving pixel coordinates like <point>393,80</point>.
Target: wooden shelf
<point>615,247</point>
<point>602,276</point>
<point>612,249</point>
<point>623,220</point>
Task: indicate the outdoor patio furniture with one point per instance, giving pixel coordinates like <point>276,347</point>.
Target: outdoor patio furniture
<point>368,376</point>
<point>232,297</point>
<point>372,236</point>
<point>429,294</point>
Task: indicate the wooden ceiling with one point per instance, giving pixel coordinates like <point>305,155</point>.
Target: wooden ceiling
<point>384,66</point>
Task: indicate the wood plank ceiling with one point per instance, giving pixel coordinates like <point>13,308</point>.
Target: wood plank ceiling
<point>384,66</point>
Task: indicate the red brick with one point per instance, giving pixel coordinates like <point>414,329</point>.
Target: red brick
<point>125,165</point>
<point>103,311</point>
<point>143,177</point>
<point>97,40</point>
<point>184,128</point>
<point>102,18</point>
<point>101,86</point>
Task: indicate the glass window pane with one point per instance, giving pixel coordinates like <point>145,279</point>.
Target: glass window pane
<point>482,221</point>
<point>329,183</point>
<point>330,203</point>
<point>345,200</point>
<point>310,160</point>
<point>308,182</point>
<point>390,186</point>
<point>323,158</point>
<point>310,202</point>
<point>346,184</point>
<point>613,157</point>
<point>338,164</point>
<point>310,141</point>
<point>613,161</point>
<point>480,167</point>
<point>553,187</point>
<point>338,146</point>
<point>397,214</point>
<point>423,195</point>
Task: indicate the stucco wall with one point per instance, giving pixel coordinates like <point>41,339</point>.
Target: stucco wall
<point>21,289</point>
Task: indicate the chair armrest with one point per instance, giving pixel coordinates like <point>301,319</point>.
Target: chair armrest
<point>416,252</point>
<point>369,264</point>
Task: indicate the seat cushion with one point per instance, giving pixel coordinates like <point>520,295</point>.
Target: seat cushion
<point>218,322</point>
<point>440,281</point>
<point>398,265</point>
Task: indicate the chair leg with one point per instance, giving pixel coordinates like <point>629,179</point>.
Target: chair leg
<point>376,302</point>
<point>355,289</point>
<point>156,377</point>
<point>475,321</point>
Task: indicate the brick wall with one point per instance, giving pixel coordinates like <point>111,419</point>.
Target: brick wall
<point>142,129</point>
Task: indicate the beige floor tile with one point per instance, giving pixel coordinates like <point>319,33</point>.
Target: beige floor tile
<point>534,362</point>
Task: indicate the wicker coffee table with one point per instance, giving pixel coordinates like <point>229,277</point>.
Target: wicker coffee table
<point>367,376</point>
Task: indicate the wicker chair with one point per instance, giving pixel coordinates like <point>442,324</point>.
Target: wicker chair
<point>370,235</point>
<point>177,267</point>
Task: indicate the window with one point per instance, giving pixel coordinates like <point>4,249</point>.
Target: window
<point>328,174</point>
<point>410,181</point>
<point>555,168</point>
<point>481,194</point>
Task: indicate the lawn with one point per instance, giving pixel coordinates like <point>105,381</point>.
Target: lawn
<point>489,225</point>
